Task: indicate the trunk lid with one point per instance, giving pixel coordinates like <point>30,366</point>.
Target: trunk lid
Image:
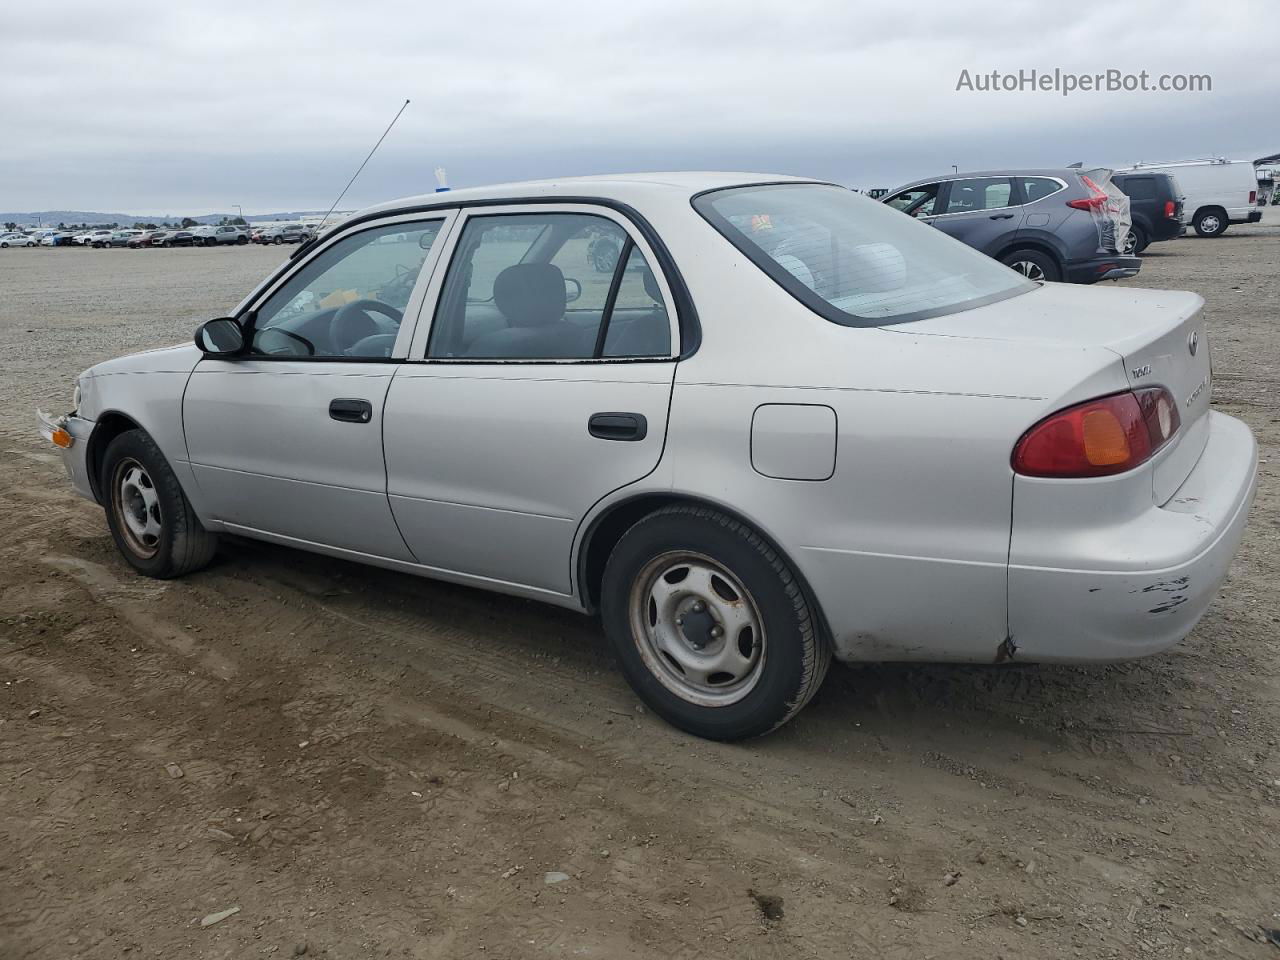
<point>1159,336</point>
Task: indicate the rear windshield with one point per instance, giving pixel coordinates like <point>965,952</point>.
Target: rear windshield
<point>854,260</point>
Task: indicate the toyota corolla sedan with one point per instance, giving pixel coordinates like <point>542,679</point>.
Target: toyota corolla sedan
<point>788,424</point>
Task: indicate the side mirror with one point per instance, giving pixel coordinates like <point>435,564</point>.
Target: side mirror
<point>223,337</point>
<point>572,293</point>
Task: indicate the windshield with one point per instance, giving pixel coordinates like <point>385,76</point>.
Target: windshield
<point>854,260</point>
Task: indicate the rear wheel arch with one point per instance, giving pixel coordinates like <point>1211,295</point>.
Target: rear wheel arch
<point>1210,210</point>
<point>607,529</point>
<point>1031,243</point>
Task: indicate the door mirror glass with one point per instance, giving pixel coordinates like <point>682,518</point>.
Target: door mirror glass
<point>223,337</point>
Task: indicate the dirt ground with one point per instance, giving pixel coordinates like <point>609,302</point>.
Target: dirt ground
<point>368,764</point>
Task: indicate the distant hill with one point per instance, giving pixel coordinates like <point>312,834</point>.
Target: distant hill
<point>93,217</point>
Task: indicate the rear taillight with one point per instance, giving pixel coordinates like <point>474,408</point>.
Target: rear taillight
<point>1094,201</point>
<point>1099,437</point>
<point>1170,208</point>
<point>1253,197</point>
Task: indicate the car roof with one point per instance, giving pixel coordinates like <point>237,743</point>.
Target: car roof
<point>627,188</point>
<point>1060,172</point>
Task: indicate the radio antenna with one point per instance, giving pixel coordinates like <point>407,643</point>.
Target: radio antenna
<point>366,160</point>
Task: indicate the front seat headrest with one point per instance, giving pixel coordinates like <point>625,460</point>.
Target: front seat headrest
<point>530,294</point>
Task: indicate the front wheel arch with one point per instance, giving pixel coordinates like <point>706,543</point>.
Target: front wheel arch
<point>108,426</point>
<point>605,530</point>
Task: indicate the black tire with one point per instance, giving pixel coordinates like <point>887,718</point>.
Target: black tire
<point>793,658</point>
<point>1140,241</point>
<point>182,544</point>
<point>1035,259</point>
<point>1210,222</point>
<point>241,241</point>
<point>277,239</point>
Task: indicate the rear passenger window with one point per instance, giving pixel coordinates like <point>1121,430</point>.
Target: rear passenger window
<point>1139,188</point>
<point>553,286</point>
<point>1037,188</point>
<point>988,193</point>
<point>638,324</point>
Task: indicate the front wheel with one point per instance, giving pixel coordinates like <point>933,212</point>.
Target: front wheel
<point>710,626</point>
<point>150,518</point>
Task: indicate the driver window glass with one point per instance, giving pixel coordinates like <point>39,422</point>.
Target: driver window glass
<point>349,300</point>
<point>527,286</point>
<point>917,202</point>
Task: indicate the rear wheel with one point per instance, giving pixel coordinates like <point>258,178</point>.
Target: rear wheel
<point>150,518</point>
<point>1033,264</point>
<point>1211,222</point>
<point>709,624</point>
<point>1135,241</point>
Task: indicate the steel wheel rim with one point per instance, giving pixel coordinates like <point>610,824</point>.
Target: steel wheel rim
<point>1130,242</point>
<point>698,629</point>
<point>1209,224</point>
<point>136,503</point>
<point>1028,269</point>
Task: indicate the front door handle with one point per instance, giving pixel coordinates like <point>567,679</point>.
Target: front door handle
<point>351,410</point>
<point>618,426</point>
<point>1002,216</point>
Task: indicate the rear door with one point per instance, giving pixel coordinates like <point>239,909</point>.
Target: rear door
<point>983,212</point>
<point>539,384</point>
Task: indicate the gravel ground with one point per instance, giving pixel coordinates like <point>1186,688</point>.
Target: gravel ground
<point>368,764</point>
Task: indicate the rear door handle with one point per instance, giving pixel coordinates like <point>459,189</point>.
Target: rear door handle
<point>618,426</point>
<point>1002,216</point>
<point>351,410</point>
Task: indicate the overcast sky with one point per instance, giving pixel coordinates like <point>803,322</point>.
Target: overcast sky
<point>162,107</point>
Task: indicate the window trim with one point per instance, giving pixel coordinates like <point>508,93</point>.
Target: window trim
<point>1022,185</point>
<point>426,324</point>
<point>246,312</point>
<point>802,294</point>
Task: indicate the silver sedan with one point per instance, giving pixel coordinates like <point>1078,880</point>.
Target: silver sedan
<point>752,422</point>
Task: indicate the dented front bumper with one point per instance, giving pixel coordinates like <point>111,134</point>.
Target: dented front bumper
<point>1138,587</point>
<point>69,434</point>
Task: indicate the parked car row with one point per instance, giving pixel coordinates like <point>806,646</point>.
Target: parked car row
<point>1082,226</point>
<point>135,239</point>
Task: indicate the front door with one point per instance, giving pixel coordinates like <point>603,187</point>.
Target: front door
<point>288,439</point>
<point>541,384</point>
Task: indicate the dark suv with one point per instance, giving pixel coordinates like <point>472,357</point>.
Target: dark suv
<point>1155,206</point>
<point>1050,224</point>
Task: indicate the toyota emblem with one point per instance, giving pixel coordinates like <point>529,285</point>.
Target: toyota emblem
<point>1193,341</point>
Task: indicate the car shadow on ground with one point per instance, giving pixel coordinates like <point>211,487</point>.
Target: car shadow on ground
<point>1045,702</point>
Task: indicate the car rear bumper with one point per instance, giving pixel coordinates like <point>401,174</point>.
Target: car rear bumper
<point>74,457</point>
<point>1254,217</point>
<point>1101,268</point>
<point>1100,606</point>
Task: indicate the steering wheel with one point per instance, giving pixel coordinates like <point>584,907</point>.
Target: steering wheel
<point>355,321</point>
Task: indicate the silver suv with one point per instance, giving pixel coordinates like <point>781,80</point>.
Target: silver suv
<point>212,236</point>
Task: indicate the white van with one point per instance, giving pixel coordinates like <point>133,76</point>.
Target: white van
<point>1216,192</point>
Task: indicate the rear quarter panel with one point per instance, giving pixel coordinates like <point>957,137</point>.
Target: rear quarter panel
<point>906,545</point>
